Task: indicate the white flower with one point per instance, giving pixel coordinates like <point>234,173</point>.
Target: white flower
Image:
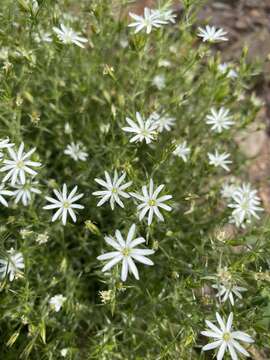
<point>12,266</point>
<point>227,291</point>
<point>64,352</point>
<point>150,20</point>
<point>126,252</point>
<point>219,119</point>
<point>164,63</point>
<point>42,238</point>
<point>159,81</point>
<point>43,37</point>
<point>246,204</point>
<point>4,53</point>
<point>19,165</point>
<point>4,144</point>
<point>224,69</point>
<point>163,122</point>
<point>64,203</point>
<point>226,339</point>
<point>144,130</point>
<point>25,233</point>
<point>24,192</point>
<point>70,17</point>
<point>114,189</point>
<point>228,190</point>
<point>182,150</point>
<point>76,151</point>
<point>124,43</point>
<point>219,160</point>
<point>67,128</point>
<point>165,15</point>
<point>57,301</point>
<point>212,34</point>
<point>105,128</point>
<point>151,203</point>
<point>4,192</point>
<point>68,36</point>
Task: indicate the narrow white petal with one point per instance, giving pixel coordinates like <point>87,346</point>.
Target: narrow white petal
<point>113,243</point>
<point>72,214</point>
<point>108,255</point>
<point>133,268</point>
<point>124,270</point>
<point>119,238</point>
<point>212,345</point>
<point>240,348</point>
<point>220,322</point>
<point>221,351</point>
<point>229,322</point>
<point>57,214</point>
<point>136,242</point>
<point>239,335</point>
<point>131,233</point>
<point>142,259</point>
<point>111,263</point>
<point>232,352</point>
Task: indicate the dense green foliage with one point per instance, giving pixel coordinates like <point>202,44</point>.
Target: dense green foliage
<point>46,89</point>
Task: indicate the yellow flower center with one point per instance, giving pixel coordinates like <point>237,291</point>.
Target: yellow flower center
<point>226,336</point>
<point>114,190</point>
<point>145,133</point>
<point>126,251</point>
<point>20,164</point>
<point>66,204</point>
<point>152,202</point>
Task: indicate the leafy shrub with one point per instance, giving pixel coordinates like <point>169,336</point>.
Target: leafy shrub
<point>77,103</point>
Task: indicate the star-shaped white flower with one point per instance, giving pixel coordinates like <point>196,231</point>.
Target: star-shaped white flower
<point>23,192</point>
<point>212,34</point>
<point>224,68</point>
<point>219,119</point>
<point>76,151</point>
<point>12,266</point>
<point>4,144</point>
<point>19,165</point>
<point>126,252</point>
<point>64,203</point>
<point>144,130</point>
<point>114,189</point>
<point>159,81</point>
<point>246,204</point>
<point>150,20</point>
<point>68,36</point>
<point>165,15</point>
<point>226,339</point>
<point>64,352</point>
<point>43,37</point>
<point>221,160</point>
<point>164,122</point>
<point>182,151</point>
<point>57,301</point>
<point>3,191</point>
<point>227,291</point>
<point>151,203</point>
<point>228,190</point>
